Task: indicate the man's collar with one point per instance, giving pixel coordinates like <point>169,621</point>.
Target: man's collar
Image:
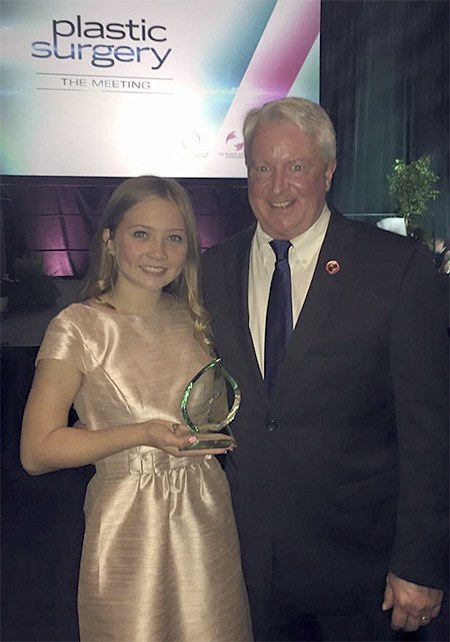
<point>305,244</point>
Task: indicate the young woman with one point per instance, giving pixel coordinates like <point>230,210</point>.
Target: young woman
<point>161,555</point>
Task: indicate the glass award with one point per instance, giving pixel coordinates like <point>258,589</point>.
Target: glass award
<point>208,406</point>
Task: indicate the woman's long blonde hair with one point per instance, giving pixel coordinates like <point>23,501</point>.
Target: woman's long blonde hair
<point>102,272</point>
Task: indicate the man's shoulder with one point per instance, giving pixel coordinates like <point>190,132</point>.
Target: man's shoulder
<point>237,243</point>
<point>369,233</point>
<point>383,252</point>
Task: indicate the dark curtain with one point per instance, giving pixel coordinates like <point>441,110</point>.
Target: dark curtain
<point>384,81</point>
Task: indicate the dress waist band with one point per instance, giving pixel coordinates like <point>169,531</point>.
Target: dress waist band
<point>143,460</point>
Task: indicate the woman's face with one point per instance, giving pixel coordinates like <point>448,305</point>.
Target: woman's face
<point>150,245</point>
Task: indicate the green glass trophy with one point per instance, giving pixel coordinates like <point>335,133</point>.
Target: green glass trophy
<point>208,406</point>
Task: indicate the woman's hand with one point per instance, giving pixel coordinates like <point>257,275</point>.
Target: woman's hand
<point>172,438</point>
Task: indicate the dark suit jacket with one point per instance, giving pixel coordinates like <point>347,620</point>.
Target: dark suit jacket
<point>342,474</point>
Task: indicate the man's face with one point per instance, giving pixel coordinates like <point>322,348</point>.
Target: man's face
<point>287,179</point>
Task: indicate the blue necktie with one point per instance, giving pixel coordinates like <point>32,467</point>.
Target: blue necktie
<point>279,313</point>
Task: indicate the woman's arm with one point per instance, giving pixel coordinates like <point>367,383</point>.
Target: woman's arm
<point>47,443</point>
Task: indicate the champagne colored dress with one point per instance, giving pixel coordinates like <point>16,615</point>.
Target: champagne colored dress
<point>161,558</point>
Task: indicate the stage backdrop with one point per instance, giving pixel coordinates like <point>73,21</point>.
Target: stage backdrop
<point>96,88</point>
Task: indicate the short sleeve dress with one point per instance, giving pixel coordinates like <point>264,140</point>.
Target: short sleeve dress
<point>161,557</point>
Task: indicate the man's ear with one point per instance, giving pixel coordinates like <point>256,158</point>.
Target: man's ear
<point>329,175</point>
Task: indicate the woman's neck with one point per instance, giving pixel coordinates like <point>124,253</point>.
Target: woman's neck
<point>129,303</point>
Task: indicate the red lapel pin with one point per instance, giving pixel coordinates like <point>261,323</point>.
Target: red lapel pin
<point>332,267</point>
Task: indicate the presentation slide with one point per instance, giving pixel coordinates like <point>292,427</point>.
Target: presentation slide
<point>116,89</point>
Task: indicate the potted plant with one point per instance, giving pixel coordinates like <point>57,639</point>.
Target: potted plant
<point>29,288</point>
<point>411,187</point>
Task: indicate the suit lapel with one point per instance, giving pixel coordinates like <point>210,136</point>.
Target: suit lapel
<point>237,284</point>
<point>325,288</point>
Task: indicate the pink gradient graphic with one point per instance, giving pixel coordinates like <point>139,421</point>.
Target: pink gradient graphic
<point>283,48</point>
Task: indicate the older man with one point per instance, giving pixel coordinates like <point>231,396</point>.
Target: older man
<point>333,331</point>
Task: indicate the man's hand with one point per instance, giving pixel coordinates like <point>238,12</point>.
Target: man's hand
<point>412,605</point>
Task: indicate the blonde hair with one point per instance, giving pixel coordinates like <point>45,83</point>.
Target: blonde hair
<point>102,272</point>
<point>309,117</point>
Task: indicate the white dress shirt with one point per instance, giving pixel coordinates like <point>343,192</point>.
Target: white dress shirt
<point>303,257</point>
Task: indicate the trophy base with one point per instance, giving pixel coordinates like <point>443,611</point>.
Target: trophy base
<point>212,440</point>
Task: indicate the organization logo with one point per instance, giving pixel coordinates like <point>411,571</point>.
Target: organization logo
<point>234,146</point>
<point>233,142</point>
<point>192,142</point>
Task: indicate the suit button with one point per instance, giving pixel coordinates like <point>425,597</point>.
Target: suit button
<point>271,425</point>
